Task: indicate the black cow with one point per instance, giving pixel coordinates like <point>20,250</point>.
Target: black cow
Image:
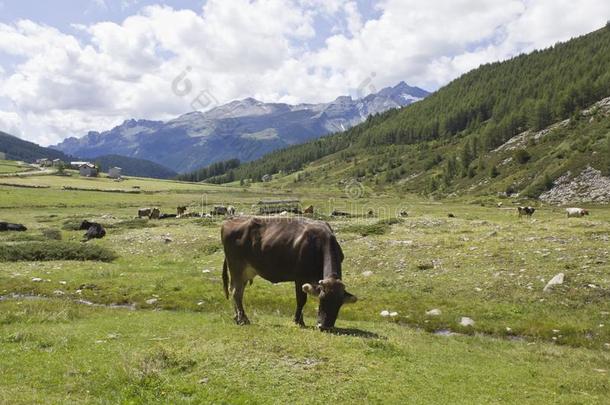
<point>6,226</point>
<point>285,249</point>
<point>527,211</point>
<point>94,230</point>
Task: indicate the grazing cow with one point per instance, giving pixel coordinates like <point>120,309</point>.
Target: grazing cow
<point>155,213</point>
<point>230,210</point>
<point>144,212</point>
<point>450,215</point>
<point>370,213</point>
<point>94,230</point>
<point>180,211</point>
<point>527,211</point>
<point>403,213</point>
<point>576,212</point>
<point>285,249</point>
<point>337,213</point>
<point>219,210</point>
<point>6,226</point>
<point>308,210</point>
<point>499,205</point>
<point>167,216</point>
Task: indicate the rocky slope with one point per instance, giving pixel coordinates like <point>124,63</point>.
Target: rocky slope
<point>587,187</point>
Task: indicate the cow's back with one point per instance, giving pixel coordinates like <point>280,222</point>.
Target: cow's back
<point>280,249</point>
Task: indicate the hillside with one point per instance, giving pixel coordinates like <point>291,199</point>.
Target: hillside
<point>244,130</point>
<point>18,149</point>
<point>448,142</point>
<point>135,167</point>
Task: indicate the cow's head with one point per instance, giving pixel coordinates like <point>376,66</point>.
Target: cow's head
<point>585,212</point>
<point>331,293</point>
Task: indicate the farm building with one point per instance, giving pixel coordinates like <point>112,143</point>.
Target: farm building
<point>278,206</point>
<point>44,162</point>
<point>88,170</point>
<point>114,172</point>
<point>57,163</point>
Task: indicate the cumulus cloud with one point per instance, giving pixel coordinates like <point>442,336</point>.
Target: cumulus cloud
<point>67,84</point>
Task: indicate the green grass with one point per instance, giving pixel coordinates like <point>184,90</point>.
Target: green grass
<point>10,167</point>
<point>486,264</point>
<point>121,356</point>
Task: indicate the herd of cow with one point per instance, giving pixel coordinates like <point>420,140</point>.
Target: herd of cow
<point>279,249</point>
<point>182,212</point>
<point>571,212</point>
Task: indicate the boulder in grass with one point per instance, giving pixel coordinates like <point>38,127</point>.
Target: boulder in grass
<point>465,321</point>
<point>557,280</point>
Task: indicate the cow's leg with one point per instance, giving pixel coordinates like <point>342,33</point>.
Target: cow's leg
<point>238,297</point>
<point>238,284</point>
<point>301,300</point>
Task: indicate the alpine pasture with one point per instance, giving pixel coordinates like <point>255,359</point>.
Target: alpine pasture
<point>147,320</point>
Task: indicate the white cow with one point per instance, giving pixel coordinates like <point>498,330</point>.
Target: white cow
<point>576,212</point>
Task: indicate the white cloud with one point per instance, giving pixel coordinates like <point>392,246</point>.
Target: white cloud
<point>10,122</point>
<point>66,85</point>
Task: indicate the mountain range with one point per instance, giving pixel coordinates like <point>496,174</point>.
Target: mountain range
<point>246,129</point>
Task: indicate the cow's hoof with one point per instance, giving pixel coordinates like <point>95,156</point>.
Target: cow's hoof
<point>299,323</point>
<point>243,321</point>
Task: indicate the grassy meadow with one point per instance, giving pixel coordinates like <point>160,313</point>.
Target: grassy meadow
<point>11,167</point>
<point>144,318</point>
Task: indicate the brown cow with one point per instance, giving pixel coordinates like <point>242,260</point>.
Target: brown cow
<point>180,211</point>
<point>283,249</point>
<point>144,212</point>
<point>155,213</point>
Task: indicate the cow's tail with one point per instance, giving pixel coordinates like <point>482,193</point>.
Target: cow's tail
<point>225,278</point>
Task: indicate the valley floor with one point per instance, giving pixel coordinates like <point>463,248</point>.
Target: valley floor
<point>153,324</point>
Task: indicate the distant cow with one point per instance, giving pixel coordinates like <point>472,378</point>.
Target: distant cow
<point>285,249</point>
<point>337,213</point>
<point>527,211</point>
<point>144,212</point>
<point>576,212</point>
<point>230,210</point>
<point>403,213</point>
<point>219,210</point>
<point>6,226</point>
<point>94,230</point>
<point>155,213</point>
<point>308,210</point>
<point>180,211</point>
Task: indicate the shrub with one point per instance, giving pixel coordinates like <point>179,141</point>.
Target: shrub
<point>51,233</point>
<point>379,228</point>
<point>522,156</point>
<point>494,172</point>
<point>54,250</point>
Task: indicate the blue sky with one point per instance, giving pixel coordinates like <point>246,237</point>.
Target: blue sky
<point>68,66</point>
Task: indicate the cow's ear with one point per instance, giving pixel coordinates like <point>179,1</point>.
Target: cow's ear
<point>349,298</point>
<point>311,290</point>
